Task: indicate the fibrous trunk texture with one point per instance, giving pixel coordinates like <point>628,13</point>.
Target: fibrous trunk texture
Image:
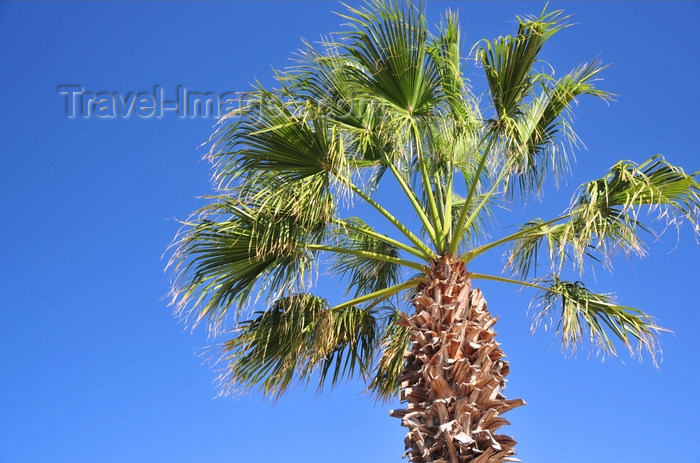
<point>454,374</point>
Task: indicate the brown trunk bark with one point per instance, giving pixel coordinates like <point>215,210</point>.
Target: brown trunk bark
<point>454,374</point>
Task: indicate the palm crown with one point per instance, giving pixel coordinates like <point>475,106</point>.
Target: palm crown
<point>385,104</point>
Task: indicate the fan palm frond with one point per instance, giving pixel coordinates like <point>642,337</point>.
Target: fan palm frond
<point>544,132</point>
<point>508,62</point>
<point>606,216</point>
<point>581,315</point>
<point>445,51</point>
<point>276,133</point>
<point>222,264</point>
<point>296,338</point>
<point>389,41</point>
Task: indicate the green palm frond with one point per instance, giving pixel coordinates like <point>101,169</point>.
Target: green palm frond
<point>508,62</point>
<point>276,133</point>
<point>452,148</point>
<point>543,119</point>
<point>302,207</point>
<point>445,152</point>
<point>349,342</point>
<point>607,212</point>
<point>389,42</point>
<point>295,339</point>
<point>321,76</point>
<point>581,315</point>
<point>512,78</point>
<point>524,254</point>
<point>325,79</point>
<point>445,51</point>
<point>606,216</point>
<point>234,254</point>
<point>530,120</point>
<point>544,132</point>
<point>558,240</point>
<point>655,183</point>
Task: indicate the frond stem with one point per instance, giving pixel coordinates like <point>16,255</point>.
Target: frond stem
<point>461,226</point>
<point>411,196</point>
<point>368,254</point>
<point>472,253</point>
<point>482,276</point>
<point>484,201</point>
<point>379,295</point>
<point>439,237</point>
<point>385,239</point>
<point>399,226</point>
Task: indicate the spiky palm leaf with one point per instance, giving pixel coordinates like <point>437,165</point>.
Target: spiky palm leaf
<point>582,315</point>
<point>298,337</point>
<point>605,215</point>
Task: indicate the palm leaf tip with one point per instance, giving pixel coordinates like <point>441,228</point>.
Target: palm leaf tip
<point>583,316</point>
<point>233,254</point>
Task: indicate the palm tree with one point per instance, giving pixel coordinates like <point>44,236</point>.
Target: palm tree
<point>299,171</point>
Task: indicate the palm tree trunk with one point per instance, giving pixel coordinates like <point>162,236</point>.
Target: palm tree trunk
<point>454,374</point>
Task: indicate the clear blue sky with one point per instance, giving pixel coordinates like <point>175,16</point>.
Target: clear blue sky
<point>94,368</point>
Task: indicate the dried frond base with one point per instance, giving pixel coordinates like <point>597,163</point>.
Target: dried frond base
<point>454,374</point>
